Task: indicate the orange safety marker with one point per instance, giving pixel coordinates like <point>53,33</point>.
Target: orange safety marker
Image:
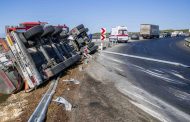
<point>26,86</point>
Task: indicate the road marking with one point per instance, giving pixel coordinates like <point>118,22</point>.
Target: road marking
<point>113,59</point>
<point>150,111</point>
<point>167,79</point>
<point>139,96</point>
<point>148,59</point>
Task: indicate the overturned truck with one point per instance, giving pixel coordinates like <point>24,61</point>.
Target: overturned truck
<point>39,51</point>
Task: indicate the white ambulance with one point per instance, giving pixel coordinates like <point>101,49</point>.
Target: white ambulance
<point>119,34</point>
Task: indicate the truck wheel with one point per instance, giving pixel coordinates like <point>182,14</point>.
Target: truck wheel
<point>83,30</point>
<point>57,31</point>
<point>91,44</point>
<point>34,31</point>
<point>75,45</point>
<point>80,26</point>
<point>48,30</point>
<point>86,39</point>
<point>86,29</point>
<point>64,36</point>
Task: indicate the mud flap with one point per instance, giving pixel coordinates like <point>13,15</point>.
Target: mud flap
<point>10,81</point>
<point>92,49</point>
<point>6,86</point>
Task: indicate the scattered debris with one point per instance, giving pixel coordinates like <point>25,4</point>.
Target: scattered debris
<point>86,61</point>
<point>80,68</point>
<point>72,80</point>
<point>61,100</point>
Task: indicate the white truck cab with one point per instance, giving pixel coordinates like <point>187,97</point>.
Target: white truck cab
<point>119,34</point>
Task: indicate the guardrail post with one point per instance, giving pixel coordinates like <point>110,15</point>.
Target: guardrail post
<point>102,46</point>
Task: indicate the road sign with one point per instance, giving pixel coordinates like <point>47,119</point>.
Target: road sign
<point>103,34</point>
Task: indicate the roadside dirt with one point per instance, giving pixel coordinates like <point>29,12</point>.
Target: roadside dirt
<point>91,100</point>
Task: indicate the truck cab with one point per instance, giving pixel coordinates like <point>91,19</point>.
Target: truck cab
<point>119,34</point>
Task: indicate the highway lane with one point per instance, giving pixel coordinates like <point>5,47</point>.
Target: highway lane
<point>161,89</point>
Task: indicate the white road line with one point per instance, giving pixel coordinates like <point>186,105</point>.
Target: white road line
<point>148,59</point>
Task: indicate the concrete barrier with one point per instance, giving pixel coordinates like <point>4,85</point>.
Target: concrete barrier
<point>104,44</point>
<point>187,42</point>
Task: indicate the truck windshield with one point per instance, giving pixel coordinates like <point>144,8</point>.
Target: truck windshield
<point>122,32</point>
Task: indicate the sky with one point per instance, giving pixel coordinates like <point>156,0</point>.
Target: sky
<point>95,14</point>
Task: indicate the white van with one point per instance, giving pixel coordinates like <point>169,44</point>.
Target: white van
<point>119,34</point>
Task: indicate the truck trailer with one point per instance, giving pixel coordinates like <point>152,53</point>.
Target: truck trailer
<point>149,31</point>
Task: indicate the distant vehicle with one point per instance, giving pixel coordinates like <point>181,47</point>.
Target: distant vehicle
<point>181,33</point>
<point>161,36</point>
<point>177,33</point>
<point>119,34</point>
<point>166,34</point>
<point>148,31</point>
<point>135,37</point>
<point>187,42</point>
<point>186,34</point>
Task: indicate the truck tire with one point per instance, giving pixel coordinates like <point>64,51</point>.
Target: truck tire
<point>83,30</point>
<point>91,44</point>
<point>80,26</point>
<point>57,31</point>
<point>75,45</point>
<point>33,32</point>
<point>86,39</point>
<point>48,30</point>
<point>64,36</point>
<point>86,29</point>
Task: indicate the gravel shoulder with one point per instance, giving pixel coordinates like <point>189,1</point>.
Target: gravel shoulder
<point>92,100</point>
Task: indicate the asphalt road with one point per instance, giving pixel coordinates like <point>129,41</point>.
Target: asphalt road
<point>157,70</point>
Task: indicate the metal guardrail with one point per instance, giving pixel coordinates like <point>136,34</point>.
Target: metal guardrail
<point>104,44</point>
<point>40,112</point>
<point>187,42</point>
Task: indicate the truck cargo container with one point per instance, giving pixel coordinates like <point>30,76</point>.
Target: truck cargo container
<point>148,31</point>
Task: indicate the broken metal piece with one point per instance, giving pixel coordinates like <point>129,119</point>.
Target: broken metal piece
<point>61,100</point>
<point>80,68</point>
<point>86,61</point>
<point>72,80</point>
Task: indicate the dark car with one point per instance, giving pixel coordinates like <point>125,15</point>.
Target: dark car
<point>135,37</point>
<point>166,34</point>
